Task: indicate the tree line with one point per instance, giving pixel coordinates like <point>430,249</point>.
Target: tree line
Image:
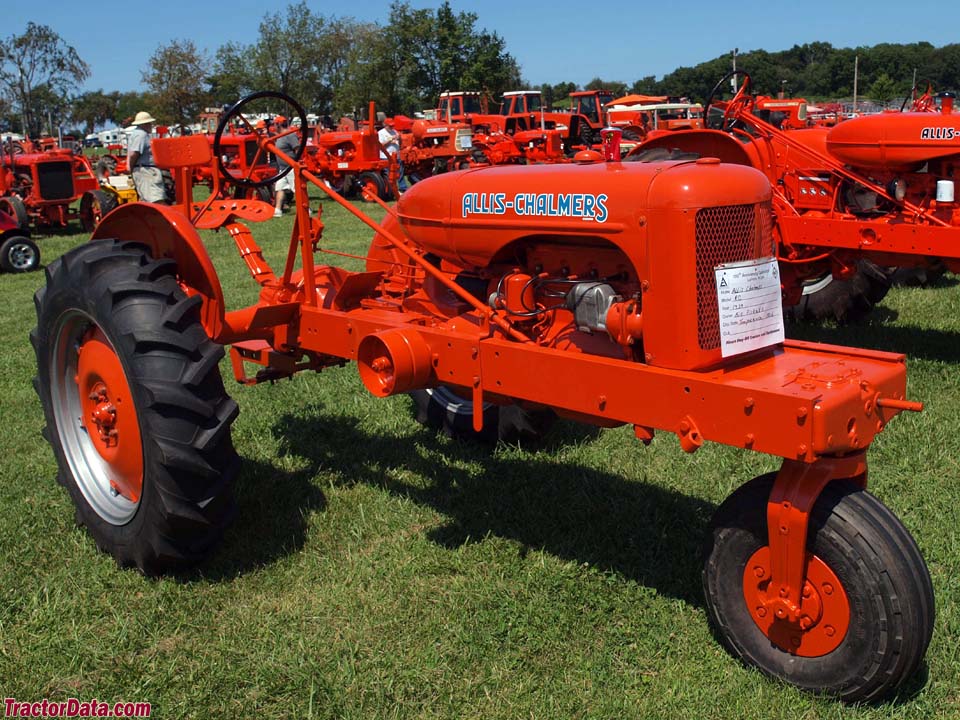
<point>336,65</point>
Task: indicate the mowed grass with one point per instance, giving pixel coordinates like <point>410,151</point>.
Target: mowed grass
<point>379,570</point>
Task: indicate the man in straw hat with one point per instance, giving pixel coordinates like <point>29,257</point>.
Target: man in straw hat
<point>146,176</point>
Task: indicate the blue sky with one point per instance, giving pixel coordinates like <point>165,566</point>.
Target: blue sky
<point>556,41</point>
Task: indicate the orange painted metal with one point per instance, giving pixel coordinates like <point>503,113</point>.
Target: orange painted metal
<point>468,285</point>
<point>109,414</point>
<point>823,614</point>
<point>793,596</point>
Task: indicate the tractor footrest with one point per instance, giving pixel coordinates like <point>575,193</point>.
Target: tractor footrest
<point>276,366</point>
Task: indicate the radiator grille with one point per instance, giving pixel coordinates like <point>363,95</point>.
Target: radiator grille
<point>731,233</point>
<point>56,180</point>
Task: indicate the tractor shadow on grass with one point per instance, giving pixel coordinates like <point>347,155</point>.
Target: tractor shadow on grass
<point>642,532</point>
<point>875,334</point>
<point>273,507</point>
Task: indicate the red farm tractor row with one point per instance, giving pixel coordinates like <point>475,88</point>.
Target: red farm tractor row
<point>850,202</point>
<point>603,292</point>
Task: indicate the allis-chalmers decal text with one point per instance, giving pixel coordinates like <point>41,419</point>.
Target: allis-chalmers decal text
<point>573,205</point>
<point>939,133</point>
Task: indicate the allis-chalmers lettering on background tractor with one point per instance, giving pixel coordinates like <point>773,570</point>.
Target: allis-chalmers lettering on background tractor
<point>612,293</point>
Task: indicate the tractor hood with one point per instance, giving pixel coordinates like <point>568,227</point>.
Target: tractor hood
<point>894,140</point>
<point>470,216</point>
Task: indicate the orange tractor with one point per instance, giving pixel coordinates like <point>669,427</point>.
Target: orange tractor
<point>350,160</point>
<point>850,202</point>
<point>435,146</point>
<point>612,293</point>
<point>40,187</point>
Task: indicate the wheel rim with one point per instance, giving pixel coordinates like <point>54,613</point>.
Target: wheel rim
<point>824,607</point>
<point>22,256</point>
<point>815,286</point>
<point>96,418</point>
<point>452,403</point>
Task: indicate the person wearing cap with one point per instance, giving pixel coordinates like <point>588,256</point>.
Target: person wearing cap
<point>390,145</point>
<point>288,144</point>
<point>147,177</point>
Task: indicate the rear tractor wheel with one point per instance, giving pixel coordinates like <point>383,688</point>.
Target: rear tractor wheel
<point>135,408</point>
<point>94,205</point>
<point>867,605</point>
<point>844,301</point>
<point>14,207</point>
<point>374,182</point>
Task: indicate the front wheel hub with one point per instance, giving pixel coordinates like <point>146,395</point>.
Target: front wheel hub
<point>814,629</point>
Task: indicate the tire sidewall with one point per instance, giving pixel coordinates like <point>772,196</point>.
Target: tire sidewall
<point>844,664</point>
<point>96,305</point>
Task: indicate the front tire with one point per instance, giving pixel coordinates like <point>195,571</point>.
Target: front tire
<point>889,609</point>
<point>135,407</point>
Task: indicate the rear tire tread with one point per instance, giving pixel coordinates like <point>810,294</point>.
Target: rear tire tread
<point>189,461</point>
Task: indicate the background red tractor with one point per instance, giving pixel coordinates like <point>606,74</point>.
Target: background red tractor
<point>850,201</point>
<point>603,292</point>
<point>351,160</point>
<point>38,188</point>
<point>432,147</point>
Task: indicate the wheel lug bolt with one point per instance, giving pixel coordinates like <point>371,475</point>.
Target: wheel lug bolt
<point>829,630</point>
<point>761,612</point>
<point>806,591</point>
<point>759,571</point>
<point>795,640</point>
<point>827,589</point>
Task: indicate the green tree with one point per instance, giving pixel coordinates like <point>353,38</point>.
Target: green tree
<point>93,108</point>
<point>176,76</point>
<point>232,77</point>
<point>883,89</point>
<point>37,72</point>
<point>433,51</point>
<point>615,86</point>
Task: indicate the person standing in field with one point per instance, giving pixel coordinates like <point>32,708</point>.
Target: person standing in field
<point>147,177</point>
<point>288,144</point>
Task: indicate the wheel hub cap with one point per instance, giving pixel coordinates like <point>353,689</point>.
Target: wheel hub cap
<point>21,256</point>
<point>108,414</point>
<point>824,615</point>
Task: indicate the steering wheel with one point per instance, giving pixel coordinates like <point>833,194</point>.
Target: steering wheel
<point>235,112</point>
<point>743,97</point>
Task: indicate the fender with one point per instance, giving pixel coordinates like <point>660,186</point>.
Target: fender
<point>169,234</point>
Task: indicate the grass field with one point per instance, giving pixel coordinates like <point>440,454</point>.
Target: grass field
<point>378,570</point>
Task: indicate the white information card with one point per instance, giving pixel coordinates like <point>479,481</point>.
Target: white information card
<point>748,295</point>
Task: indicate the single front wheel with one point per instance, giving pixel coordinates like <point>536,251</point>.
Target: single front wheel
<point>136,411</point>
<point>867,598</point>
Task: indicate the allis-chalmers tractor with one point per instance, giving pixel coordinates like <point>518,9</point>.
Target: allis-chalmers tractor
<point>850,202</point>
<point>39,187</point>
<point>614,293</point>
<point>432,147</point>
<point>350,159</point>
